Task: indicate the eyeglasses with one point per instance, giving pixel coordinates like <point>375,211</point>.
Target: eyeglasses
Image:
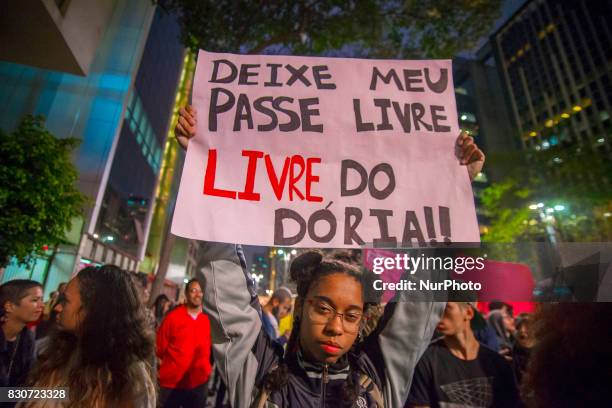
<point>320,312</point>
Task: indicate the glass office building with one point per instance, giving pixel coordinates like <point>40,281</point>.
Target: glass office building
<point>120,110</point>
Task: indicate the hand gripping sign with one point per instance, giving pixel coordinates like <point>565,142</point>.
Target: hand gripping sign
<point>324,152</point>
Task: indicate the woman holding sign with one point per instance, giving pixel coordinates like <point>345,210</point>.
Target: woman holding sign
<point>327,363</point>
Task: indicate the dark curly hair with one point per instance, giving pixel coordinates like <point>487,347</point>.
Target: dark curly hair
<point>306,270</point>
<point>571,363</point>
<point>158,306</point>
<point>103,364</point>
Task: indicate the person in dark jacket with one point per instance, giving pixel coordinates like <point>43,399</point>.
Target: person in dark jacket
<point>327,363</point>
<point>21,303</point>
<point>521,350</point>
<point>503,324</point>
<point>277,307</point>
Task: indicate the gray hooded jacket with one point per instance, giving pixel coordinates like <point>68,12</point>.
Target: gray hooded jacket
<point>244,355</point>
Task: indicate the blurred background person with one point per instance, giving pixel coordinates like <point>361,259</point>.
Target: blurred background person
<point>50,314</point>
<point>21,302</point>
<point>571,360</point>
<point>285,325</point>
<point>277,308</point>
<point>503,323</point>
<point>184,348</point>
<point>457,371</point>
<point>145,296</point>
<point>50,304</point>
<point>161,306</point>
<point>485,333</point>
<point>499,305</point>
<point>102,347</point>
<point>523,343</point>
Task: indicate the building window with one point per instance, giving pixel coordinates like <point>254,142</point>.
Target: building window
<point>140,126</point>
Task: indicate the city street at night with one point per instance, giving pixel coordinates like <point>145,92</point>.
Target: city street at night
<point>287,204</point>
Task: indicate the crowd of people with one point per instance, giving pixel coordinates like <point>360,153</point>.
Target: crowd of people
<point>98,338</point>
<point>111,353</point>
<point>98,347</point>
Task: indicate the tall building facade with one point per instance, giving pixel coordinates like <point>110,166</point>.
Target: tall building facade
<point>555,57</point>
<point>58,35</point>
<point>120,106</point>
<point>125,211</point>
<point>175,256</point>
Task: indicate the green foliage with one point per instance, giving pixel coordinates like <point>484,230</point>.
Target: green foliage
<point>442,28</point>
<point>577,179</point>
<point>506,205</point>
<point>582,175</point>
<point>37,194</point>
<point>373,28</point>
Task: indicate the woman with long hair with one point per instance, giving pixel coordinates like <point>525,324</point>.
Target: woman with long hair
<point>160,309</point>
<point>102,347</point>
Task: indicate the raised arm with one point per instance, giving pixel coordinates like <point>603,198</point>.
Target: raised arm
<point>408,323</point>
<point>241,349</point>
<point>400,339</point>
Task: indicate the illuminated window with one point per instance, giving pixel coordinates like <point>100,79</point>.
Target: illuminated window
<point>140,126</point>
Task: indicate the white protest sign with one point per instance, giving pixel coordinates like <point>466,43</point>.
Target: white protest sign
<point>324,152</point>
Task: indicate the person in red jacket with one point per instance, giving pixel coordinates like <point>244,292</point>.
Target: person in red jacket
<point>183,346</point>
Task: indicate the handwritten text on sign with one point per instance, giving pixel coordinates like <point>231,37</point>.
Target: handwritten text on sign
<point>330,152</point>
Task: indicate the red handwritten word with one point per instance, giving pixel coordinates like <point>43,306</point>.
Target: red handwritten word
<point>295,168</point>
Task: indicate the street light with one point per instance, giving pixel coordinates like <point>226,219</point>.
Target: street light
<point>293,252</point>
<point>559,207</point>
<point>546,219</point>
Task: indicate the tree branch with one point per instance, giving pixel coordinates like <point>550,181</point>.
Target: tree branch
<point>277,39</point>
